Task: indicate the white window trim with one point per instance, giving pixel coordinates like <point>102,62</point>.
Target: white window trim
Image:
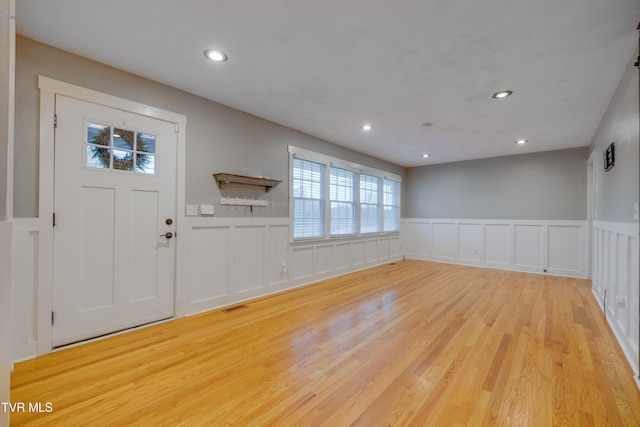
<point>302,153</point>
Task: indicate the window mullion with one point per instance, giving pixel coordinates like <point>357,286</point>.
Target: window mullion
<point>381,205</point>
<point>357,203</point>
<point>327,200</point>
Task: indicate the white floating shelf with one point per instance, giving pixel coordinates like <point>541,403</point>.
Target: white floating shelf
<point>224,179</point>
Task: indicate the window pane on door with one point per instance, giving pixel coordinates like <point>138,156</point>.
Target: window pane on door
<point>97,157</point>
<point>145,150</point>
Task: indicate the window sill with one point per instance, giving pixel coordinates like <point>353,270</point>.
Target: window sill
<point>363,236</point>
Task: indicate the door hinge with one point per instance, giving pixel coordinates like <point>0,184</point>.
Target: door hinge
<point>54,219</point>
<point>53,317</point>
<point>55,121</point>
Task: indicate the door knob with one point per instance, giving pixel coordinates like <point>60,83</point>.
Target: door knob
<point>167,235</point>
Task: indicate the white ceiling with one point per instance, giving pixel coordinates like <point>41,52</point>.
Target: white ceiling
<point>325,67</point>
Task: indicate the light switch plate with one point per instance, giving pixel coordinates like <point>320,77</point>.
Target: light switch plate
<point>192,210</point>
<point>206,209</point>
<point>636,211</point>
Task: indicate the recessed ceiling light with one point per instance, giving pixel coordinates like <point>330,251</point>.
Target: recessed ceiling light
<point>216,55</point>
<point>426,155</point>
<point>367,127</point>
<point>502,94</point>
<point>521,141</point>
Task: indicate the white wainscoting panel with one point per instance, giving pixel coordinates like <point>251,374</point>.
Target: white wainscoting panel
<point>616,282</point>
<point>445,240</point>
<point>552,247</point>
<point>231,260</point>
<point>6,313</point>
<point>324,259</point>
<point>371,251</point>
<point>527,246</point>
<point>26,240</point>
<point>278,254</point>
<point>208,261</point>
<point>343,256</point>
<point>498,245</point>
<point>359,254</point>
<point>563,239</point>
<point>416,237</point>
<point>470,242</point>
<point>250,253</point>
<point>302,259</point>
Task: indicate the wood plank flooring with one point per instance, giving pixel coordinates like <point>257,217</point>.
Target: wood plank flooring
<point>411,343</point>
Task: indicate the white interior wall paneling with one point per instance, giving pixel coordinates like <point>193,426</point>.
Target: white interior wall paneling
<point>343,258</point>
<point>528,246</point>
<point>561,247</point>
<point>6,356</point>
<point>470,247</point>
<point>208,264</point>
<point>277,264</point>
<point>616,281</point>
<point>224,261</point>
<point>497,245</point>
<point>445,240</point>
<point>249,254</point>
<point>26,243</point>
<point>260,260</point>
<point>552,247</point>
<point>323,258</point>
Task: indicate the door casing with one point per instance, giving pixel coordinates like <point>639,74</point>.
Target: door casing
<point>48,89</point>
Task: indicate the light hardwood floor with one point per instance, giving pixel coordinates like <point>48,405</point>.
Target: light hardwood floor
<point>410,343</point>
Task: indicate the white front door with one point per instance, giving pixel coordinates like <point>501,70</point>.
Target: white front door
<point>115,206</point>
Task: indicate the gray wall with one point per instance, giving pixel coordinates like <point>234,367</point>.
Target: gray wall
<point>219,138</point>
<point>538,186</point>
<point>617,189</point>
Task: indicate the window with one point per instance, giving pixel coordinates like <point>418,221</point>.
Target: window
<point>342,191</point>
<point>369,204</point>
<point>334,198</point>
<point>391,205</point>
<point>308,199</point>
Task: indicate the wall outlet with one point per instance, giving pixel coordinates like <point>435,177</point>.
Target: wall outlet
<point>192,210</point>
<point>636,211</point>
<point>621,301</point>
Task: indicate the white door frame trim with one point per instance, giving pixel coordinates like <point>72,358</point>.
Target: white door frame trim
<point>48,90</point>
